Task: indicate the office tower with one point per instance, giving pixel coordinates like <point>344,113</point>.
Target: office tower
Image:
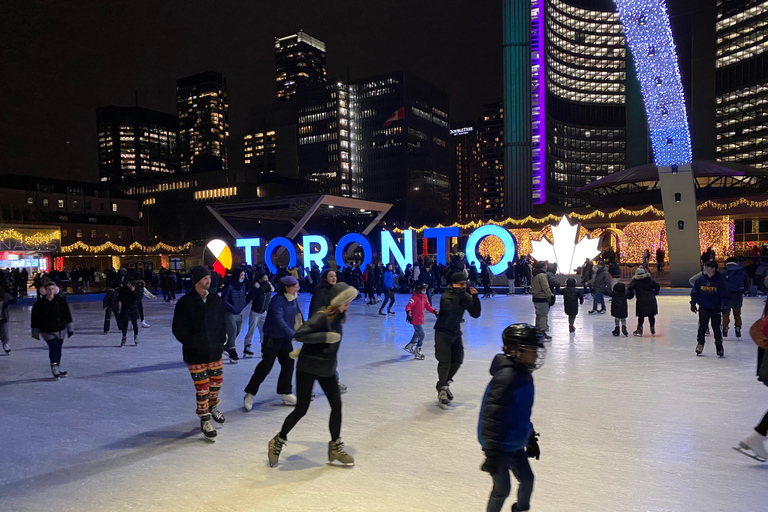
<point>299,64</point>
<point>403,124</point>
<point>135,143</point>
<point>201,102</point>
<point>467,179</point>
<point>491,141</point>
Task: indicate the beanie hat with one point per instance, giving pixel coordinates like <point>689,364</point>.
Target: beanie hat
<point>288,281</point>
<point>341,293</point>
<point>198,273</point>
<point>458,277</point>
<point>640,271</point>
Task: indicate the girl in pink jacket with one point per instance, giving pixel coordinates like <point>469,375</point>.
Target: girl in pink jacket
<point>414,312</point>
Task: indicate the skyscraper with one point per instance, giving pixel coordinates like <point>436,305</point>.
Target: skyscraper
<point>201,102</point>
<point>491,141</point>
<point>299,63</point>
<point>135,143</point>
<point>467,179</point>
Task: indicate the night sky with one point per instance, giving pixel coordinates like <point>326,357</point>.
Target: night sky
<point>59,61</point>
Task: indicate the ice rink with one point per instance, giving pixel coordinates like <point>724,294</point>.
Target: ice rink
<point>627,424</point>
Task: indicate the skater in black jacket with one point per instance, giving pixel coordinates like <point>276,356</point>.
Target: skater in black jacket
<point>51,319</point>
<point>572,297</point>
<point>111,307</point>
<point>619,308</point>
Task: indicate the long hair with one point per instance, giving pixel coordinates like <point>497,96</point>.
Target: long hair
<point>332,312</point>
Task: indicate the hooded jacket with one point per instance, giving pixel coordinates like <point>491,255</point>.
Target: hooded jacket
<point>387,280</point>
<point>51,316</point>
<point>200,327</point>
<point>572,297</point>
<point>283,318</point>
<point>453,303</point>
<point>540,290</point>
<point>505,415</point>
<point>416,307</point>
<point>602,281</point>
<point>737,281</point>
<point>260,296</point>
<point>711,292</point>
<point>234,295</point>
<point>619,306</point>
<point>646,290</point>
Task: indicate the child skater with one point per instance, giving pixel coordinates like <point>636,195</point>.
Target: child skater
<point>572,297</point>
<point>317,361</point>
<point>505,430</point>
<point>619,308</point>
<point>414,312</point>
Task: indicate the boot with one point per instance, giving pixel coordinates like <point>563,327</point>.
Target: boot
<point>725,332</point>
<point>289,399</point>
<point>381,312</point>
<point>699,349</point>
<point>616,331</point>
<point>336,452</point>
<point>57,372</point>
<point>753,446</point>
<point>409,347</point>
<point>274,448</point>
<point>7,348</point>
<point>122,342</point>
<point>418,355</point>
<point>144,324</point>
<point>390,312</point>
<point>247,352</point>
<point>136,339</point>
<point>207,428</point>
<point>571,328</point>
<point>720,351</point>
<point>342,388</point>
<point>248,401</point>
<point>442,397</point>
<point>738,332</point>
<point>624,330</point>
<point>653,330</point>
<point>216,414</point>
<point>638,331</point>
<point>232,353</point>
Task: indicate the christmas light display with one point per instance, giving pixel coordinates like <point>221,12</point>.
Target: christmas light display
<point>38,238</point>
<point>135,246</point>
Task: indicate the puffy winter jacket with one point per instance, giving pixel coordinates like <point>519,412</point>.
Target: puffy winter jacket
<point>646,290</point>
<point>416,307</point>
<point>49,316</point>
<point>619,306</point>
<point>283,318</point>
<point>711,292</point>
<point>505,416</point>
<point>572,297</point>
<point>540,289</point>
<point>453,303</point>
<point>321,340</point>
<point>234,296</point>
<point>387,280</point>
<point>602,281</point>
<point>200,327</point>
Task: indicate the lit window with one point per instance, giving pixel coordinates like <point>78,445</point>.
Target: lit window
<point>61,203</point>
<point>79,233</point>
<point>45,202</point>
<point>93,233</point>
<point>114,207</point>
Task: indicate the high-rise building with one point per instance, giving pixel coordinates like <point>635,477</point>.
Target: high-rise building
<point>201,102</point>
<point>135,143</point>
<point>742,81</point>
<point>467,179</point>
<point>299,63</point>
<point>491,142</point>
<point>404,153</point>
<point>271,142</point>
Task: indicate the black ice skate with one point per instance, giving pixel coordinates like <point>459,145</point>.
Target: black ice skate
<point>615,332</point>
<point>699,349</point>
<point>390,312</point>
<point>7,348</point>
<point>122,342</point>
<point>624,331</point>
<point>720,352</point>
<point>753,446</point>
<point>382,313</point>
<point>725,332</point>
<point>216,414</point>
<point>207,428</point>
<point>653,330</point>
<point>638,332</point>
<point>274,448</point>
<point>336,452</point>
<point>135,341</point>
<point>738,332</point>
<point>247,352</point>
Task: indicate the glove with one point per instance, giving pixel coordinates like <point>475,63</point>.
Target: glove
<point>332,337</point>
<point>693,307</point>
<point>409,318</point>
<point>436,312</point>
<point>491,462</point>
<point>533,446</point>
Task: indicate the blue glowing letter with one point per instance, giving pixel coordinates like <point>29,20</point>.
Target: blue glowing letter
<point>280,241</point>
<point>356,238</point>
<point>317,257</point>
<point>441,235</point>
<point>510,247</point>
<point>390,250</point>
<point>248,244</point>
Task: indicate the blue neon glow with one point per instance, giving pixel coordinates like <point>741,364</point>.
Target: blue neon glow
<point>248,244</point>
<point>273,244</point>
<point>389,248</point>
<point>316,257</point>
<point>441,235</point>
<point>351,238</point>
<point>649,37</point>
<point>510,247</point>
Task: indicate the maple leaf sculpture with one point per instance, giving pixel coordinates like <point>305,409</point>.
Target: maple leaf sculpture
<point>566,251</point>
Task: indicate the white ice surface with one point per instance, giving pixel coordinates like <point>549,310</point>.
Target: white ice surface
<point>626,424</point>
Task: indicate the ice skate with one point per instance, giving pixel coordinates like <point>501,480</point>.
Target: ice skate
<point>136,340</point>
<point>216,414</point>
<point>624,330</point>
<point>653,331</point>
<point>248,401</point>
<point>448,393</point>
<point>342,388</point>
<point>382,313</point>
<point>7,348</point>
<point>207,428</point>
<point>336,452</point>
<point>408,348</point>
<point>145,324</point>
<point>247,352</point>
<point>699,349</point>
<point>417,354</point>
<point>725,332</point>
<point>615,332</point>
<point>753,446</point>
<point>571,328</point>
<point>638,332</point>
<point>738,332</point>
<point>122,342</point>
<point>274,448</point>
<point>232,353</point>
<point>288,399</point>
<point>442,398</point>
<point>56,371</point>
<point>390,312</point>
<point>720,352</point>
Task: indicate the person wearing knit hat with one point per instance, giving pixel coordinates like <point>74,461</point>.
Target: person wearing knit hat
<point>200,326</point>
<point>645,288</point>
<point>317,361</point>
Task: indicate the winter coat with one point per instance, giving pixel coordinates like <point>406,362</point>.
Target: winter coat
<point>200,327</point>
<point>510,272</point>
<point>646,290</point>
<point>619,306</point>
<point>387,280</point>
<point>321,297</point>
<point>737,282</point>
<point>110,300</point>
<point>473,273</point>
<point>453,303</point>
<point>51,316</point>
<point>428,276</point>
<point>602,281</point>
<point>614,270</point>
<point>283,318</point>
<point>129,302</point>
<point>485,274</point>
<point>711,292</point>
<point>572,297</point>
<point>505,415</point>
<point>5,299</point>
<point>416,307</point>
<point>260,296</point>
<point>586,273</point>
<point>234,296</point>
<point>540,290</point>
<point>321,340</point>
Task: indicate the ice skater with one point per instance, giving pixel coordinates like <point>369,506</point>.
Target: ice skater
<point>754,444</point>
<point>388,285</point>
<point>737,281</point>
<point>572,297</point>
<point>619,308</point>
<point>5,299</point>
<point>414,312</point>
<point>141,287</point>
<point>710,293</point>
<point>51,320</point>
<point>317,361</point>
<point>259,297</point>
<point>505,430</point>
<point>321,298</point>
<point>200,326</point>
<point>128,297</point>
<point>234,297</point>
<point>111,307</point>
<point>543,297</point>
<point>600,284</point>
<point>449,349</point>
<point>646,289</point>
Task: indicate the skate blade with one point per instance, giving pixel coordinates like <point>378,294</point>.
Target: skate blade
<point>339,464</point>
<point>210,439</point>
<point>749,454</point>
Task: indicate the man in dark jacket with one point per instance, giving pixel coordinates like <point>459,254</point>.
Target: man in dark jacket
<point>737,282</point>
<point>234,296</point>
<point>259,297</point>
<point>200,326</point>
<point>449,349</point>
<point>505,430</point>
<point>128,297</point>
<point>600,285</point>
<point>711,294</point>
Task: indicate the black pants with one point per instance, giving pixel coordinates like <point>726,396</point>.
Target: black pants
<point>271,349</point>
<point>449,351</point>
<point>517,463</point>
<point>108,316</point>
<point>141,310</point>
<point>124,325</point>
<point>369,293</point>
<point>707,316</point>
<point>762,427</point>
<point>651,322</point>
<point>389,295</point>
<point>54,350</point>
<point>304,384</point>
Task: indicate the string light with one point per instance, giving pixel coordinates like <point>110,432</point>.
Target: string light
<point>651,235</point>
<point>491,246</point>
<point>135,246</point>
<point>38,238</point>
<point>116,262</point>
<point>739,202</point>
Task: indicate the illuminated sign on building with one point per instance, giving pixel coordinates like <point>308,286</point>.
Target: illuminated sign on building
<point>462,131</point>
<point>566,252</point>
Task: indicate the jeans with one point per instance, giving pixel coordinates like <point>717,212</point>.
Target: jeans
<point>430,294</point>
<point>449,351</point>
<point>517,463</point>
<point>511,283</point>
<point>542,311</point>
<point>736,318</point>
<point>272,349</point>
<point>234,325</point>
<point>418,335</point>
<point>54,350</point>
<point>707,316</point>
<point>304,384</point>
<point>598,298</point>
<point>255,321</point>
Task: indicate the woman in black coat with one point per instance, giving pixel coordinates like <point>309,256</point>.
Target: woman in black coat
<point>321,294</point>
<point>619,308</point>
<point>646,289</point>
<point>129,296</point>
<point>572,297</point>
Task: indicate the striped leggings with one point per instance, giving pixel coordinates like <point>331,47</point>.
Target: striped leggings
<point>208,378</point>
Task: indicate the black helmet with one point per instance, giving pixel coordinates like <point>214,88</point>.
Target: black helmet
<point>517,337</point>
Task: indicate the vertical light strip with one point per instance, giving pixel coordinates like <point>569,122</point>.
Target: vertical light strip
<point>542,104</point>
